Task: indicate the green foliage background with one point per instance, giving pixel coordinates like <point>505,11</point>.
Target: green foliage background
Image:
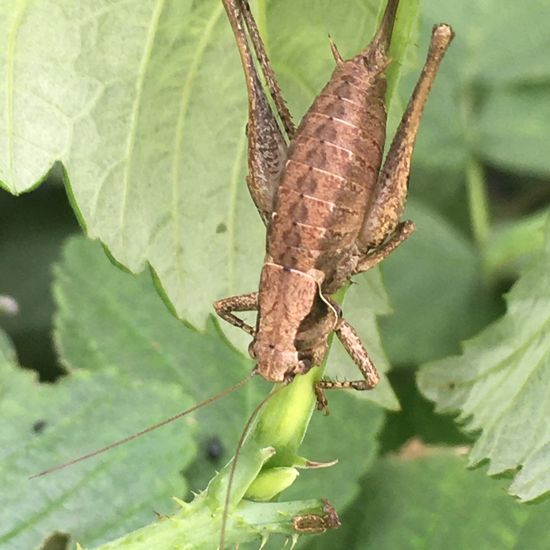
<point>144,104</point>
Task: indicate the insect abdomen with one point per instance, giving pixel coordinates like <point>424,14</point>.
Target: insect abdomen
<point>331,171</point>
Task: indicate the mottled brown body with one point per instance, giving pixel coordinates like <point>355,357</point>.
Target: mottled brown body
<point>330,173</point>
<point>331,208</point>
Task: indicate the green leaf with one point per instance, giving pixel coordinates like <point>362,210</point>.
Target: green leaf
<point>488,99</point>
<point>136,123</point>
<point>499,384</point>
<point>513,130</point>
<point>434,288</point>
<point>121,321</point>
<point>514,243</point>
<point>497,46</point>
<point>149,124</point>
<point>44,425</point>
<point>432,501</point>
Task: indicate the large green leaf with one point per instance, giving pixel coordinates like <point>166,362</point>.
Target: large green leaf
<point>430,501</point>
<point>499,385</point>
<point>44,425</point>
<point>145,107</point>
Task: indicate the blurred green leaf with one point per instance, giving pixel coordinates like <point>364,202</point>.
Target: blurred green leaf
<point>513,129</point>
<point>488,100</point>
<point>433,281</point>
<point>499,384</point>
<point>496,45</point>
<point>432,501</point>
<point>514,243</point>
<point>44,425</point>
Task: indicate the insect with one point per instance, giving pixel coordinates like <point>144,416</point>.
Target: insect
<point>331,205</point>
<point>313,523</point>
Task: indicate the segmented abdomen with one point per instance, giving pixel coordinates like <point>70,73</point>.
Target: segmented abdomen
<point>330,173</point>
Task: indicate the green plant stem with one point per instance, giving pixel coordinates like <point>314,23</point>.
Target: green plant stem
<point>478,202</point>
<point>195,527</point>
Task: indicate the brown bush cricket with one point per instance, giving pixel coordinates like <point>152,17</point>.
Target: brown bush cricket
<point>330,207</point>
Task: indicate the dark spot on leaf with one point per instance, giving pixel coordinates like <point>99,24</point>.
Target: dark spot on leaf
<point>214,449</point>
<point>452,385</point>
<point>38,426</point>
<point>222,228</point>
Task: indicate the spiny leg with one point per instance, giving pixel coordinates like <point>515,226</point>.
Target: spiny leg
<point>392,185</point>
<point>244,302</point>
<point>267,149</point>
<point>402,232</point>
<point>353,345</point>
<point>270,78</point>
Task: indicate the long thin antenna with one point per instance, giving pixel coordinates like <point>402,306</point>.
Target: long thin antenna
<point>147,430</point>
<point>234,462</point>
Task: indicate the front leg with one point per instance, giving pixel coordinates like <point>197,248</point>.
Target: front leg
<point>244,302</point>
<point>353,345</point>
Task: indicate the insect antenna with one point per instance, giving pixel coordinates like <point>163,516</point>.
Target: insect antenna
<point>240,443</point>
<point>211,399</point>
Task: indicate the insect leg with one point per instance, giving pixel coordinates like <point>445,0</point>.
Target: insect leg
<point>267,70</point>
<point>353,345</point>
<point>267,149</point>
<point>392,185</point>
<point>402,232</point>
<point>244,302</point>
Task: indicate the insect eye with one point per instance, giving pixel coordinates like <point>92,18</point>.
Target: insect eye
<point>304,365</point>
